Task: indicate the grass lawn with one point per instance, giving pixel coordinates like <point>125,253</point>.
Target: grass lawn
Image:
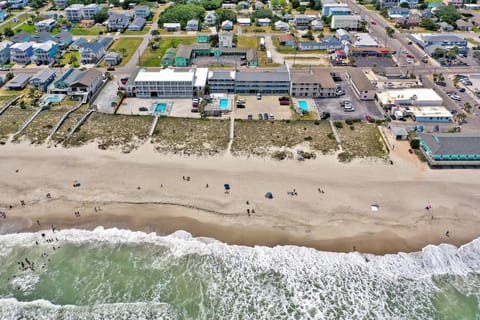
<point>10,24</point>
<point>132,33</point>
<point>130,44</point>
<point>66,58</point>
<point>256,29</point>
<point>30,28</point>
<point>262,60</point>
<point>476,29</point>
<point>361,140</point>
<point>93,31</point>
<point>151,58</point>
<point>247,42</point>
<point>369,6</point>
<point>258,137</point>
<point>473,41</point>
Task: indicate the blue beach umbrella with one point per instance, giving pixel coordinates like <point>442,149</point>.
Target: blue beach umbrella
<point>269,195</point>
<point>226,186</point>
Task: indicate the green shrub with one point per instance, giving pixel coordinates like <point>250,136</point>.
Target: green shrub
<point>345,157</point>
<point>415,143</point>
<point>352,127</point>
<point>331,136</point>
<point>308,138</point>
<point>349,122</point>
<point>316,122</point>
<point>338,124</point>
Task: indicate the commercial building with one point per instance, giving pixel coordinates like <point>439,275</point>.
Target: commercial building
<point>409,97</point>
<point>74,13</point>
<point>61,4</point>
<point>451,148</point>
<point>345,22</point>
<point>361,85</point>
<point>364,40</point>
<point>428,41</point>
<point>312,83</point>
<point>221,81</point>
<point>340,12</point>
<point>430,114</point>
<point>276,81</point>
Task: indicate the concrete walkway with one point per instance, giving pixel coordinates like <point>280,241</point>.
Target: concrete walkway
<point>62,119</point>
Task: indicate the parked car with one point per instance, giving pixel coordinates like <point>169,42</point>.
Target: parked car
<point>271,116</point>
<point>265,116</point>
<point>325,115</point>
<point>409,55</point>
<point>260,117</point>
<point>259,96</point>
<point>456,97</point>
<point>373,22</point>
<point>348,108</point>
<point>409,61</point>
<point>143,109</point>
<point>462,89</point>
<point>344,102</point>
<point>339,93</point>
<point>250,116</point>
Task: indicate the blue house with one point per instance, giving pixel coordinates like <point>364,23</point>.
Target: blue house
<point>443,148</point>
<point>45,53</point>
<point>21,52</point>
<point>21,37</point>
<point>63,39</point>
<point>3,15</point>
<point>42,79</point>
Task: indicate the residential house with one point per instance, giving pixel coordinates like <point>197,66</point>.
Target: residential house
<point>244,22</point>
<point>456,3</point>
<point>91,52</point>
<point>63,39</point>
<point>20,37</point>
<point>259,5</point>
<point>412,20</point>
<point>42,37</point>
<point>451,149</point>
<point>301,22</point>
<point>137,25</point>
<point>3,15</point>
<point>464,25</point>
<point>106,42</point>
<point>317,25</point>
<point>342,35</point>
<point>281,26</point>
<point>117,22</point>
<point>360,84</point>
<point>90,10</point>
<point>345,22</point>
<point>443,26</point>
<point>229,6</point>
<point>397,12</point>
<point>74,13</point>
<point>327,7</point>
<point>21,52</point>
<point>5,51</point>
<point>86,85</point>
<point>171,27</point>
<point>142,11</point>
<point>227,25</point>
<point>112,58</point>
<point>192,25</point>
<point>313,83</point>
<point>45,53</point>
<point>287,40</point>
<point>77,44</point>
<point>86,23</point>
<point>45,25</point>
<point>61,4</point>
<point>412,4</point>
<point>18,83</point>
<point>263,22</point>
<point>42,79</point>
<point>17,4</point>
<point>225,39</point>
<point>210,18</point>
<point>244,5</point>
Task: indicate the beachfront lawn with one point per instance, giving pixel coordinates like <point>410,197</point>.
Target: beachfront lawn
<point>126,47</point>
<point>264,138</point>
<point>191,136</point>
<point>363,141</point>
<point>151,57</point>
<point>110,131</point>
<point>92,31</point>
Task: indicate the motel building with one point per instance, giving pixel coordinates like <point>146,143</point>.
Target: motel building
<point>451,148</point>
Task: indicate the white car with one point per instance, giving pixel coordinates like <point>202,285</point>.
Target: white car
<point>456,97</point>
<point>348,108</point>
<point>409,61</point>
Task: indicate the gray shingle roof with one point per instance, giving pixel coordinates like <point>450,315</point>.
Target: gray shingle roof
<point>452,143</point>
<point>43,75</point>
<point>19,80</point>
<point>262,76</point>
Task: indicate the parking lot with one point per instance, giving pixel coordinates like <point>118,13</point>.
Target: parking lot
<point>221,60</point>
<point>362,108</point>
<point>268,104</point>
<point>382,62</point>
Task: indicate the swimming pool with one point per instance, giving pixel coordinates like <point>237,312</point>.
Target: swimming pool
<point>223,103</point>
<point>54,99</point>
<point>161,107</point>
<point>303,105</point>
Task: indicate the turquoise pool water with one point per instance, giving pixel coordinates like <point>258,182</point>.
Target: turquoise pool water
<point>161,107</point>
<point>303,105</point>
<point>54,99</point>
<point>223,103</point>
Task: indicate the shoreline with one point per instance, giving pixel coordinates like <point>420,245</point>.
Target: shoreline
<point>338,220</point>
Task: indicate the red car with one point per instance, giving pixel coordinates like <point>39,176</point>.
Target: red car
<point>373,22</point>
<point>410,56</point>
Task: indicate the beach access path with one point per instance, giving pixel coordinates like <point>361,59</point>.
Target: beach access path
<point>144,190</point>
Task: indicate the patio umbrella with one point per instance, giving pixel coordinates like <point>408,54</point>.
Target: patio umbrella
<point>226,186</point>
<point>269,195</point>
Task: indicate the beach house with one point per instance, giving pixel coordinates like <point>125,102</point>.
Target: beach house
<point>301,22</point>
<point>45,25</point>
<point>86,85</point>
<point>227,25</point>
<point>137,25</point>
<point>225,39</point>
<point>141,11</point>
<point>20,37</point>
<point>17,4</point>
<point>451,148</point>
<point>210,18</point>
<point>45,53</point>
<point>171,26</point>
<point>112,59</point>
<point>19,82</point>
<point>74,13</point>
<point>42,79</point>
<point>91,52</point>
<point>5,51</point>
<point>345,22</point>
<point>117,22</point>
<point>21,52</point>
<point>42,37</point>
<point>61,4</point>
<point>63,39</point>
<point>266,81</point>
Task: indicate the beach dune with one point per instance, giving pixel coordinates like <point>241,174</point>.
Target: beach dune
<point>147,191</point>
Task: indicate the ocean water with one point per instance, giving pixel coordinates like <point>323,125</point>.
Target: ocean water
<point>120,274</point>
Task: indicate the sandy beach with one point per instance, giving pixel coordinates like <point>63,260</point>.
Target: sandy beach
<point>148,191</point>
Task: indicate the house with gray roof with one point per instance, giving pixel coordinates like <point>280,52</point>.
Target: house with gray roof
<point>106,42</point>
<point>42,37</point>
<point>91,52</point>
<point>77,44</point>
<point>42,79</point>
<point>192,25</point>
<point>63,39</point>
<point>5,51</point>
<point>451,148</point>
<point>137,25</point>
<point>274,81</point>
<point>117,22</point>
<point>360,84</point>
<point>112,58</point>
<point>86,85</point>
<point>227,25</point>
<point>19,82</point>
<point>21,37</point>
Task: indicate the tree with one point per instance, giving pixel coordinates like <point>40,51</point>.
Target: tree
<point>155,32</point>
<point>210,4</point>
<point>438,52</point>
<point>31,93</point>
<point>8,32</point>
<point>181,13</point>
<point>404,5</point>
<point>101,16</point>
<point>448,14</point>
<point>9,76</point>
<point>390,31</point>
<point>452,53</point>
<point>262,13</point>
<point>73,59</point>
<point>429,24</point>
<point>378,5</point>
<point>223,15</point>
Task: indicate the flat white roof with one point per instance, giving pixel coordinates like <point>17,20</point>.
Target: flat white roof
<point>201,75</point>
<point>422,94</point>
<point>430,112</point>
<point>165,75</point>
<point>244,20</point>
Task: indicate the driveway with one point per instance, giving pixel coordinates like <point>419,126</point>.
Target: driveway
<point>106,97</point>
